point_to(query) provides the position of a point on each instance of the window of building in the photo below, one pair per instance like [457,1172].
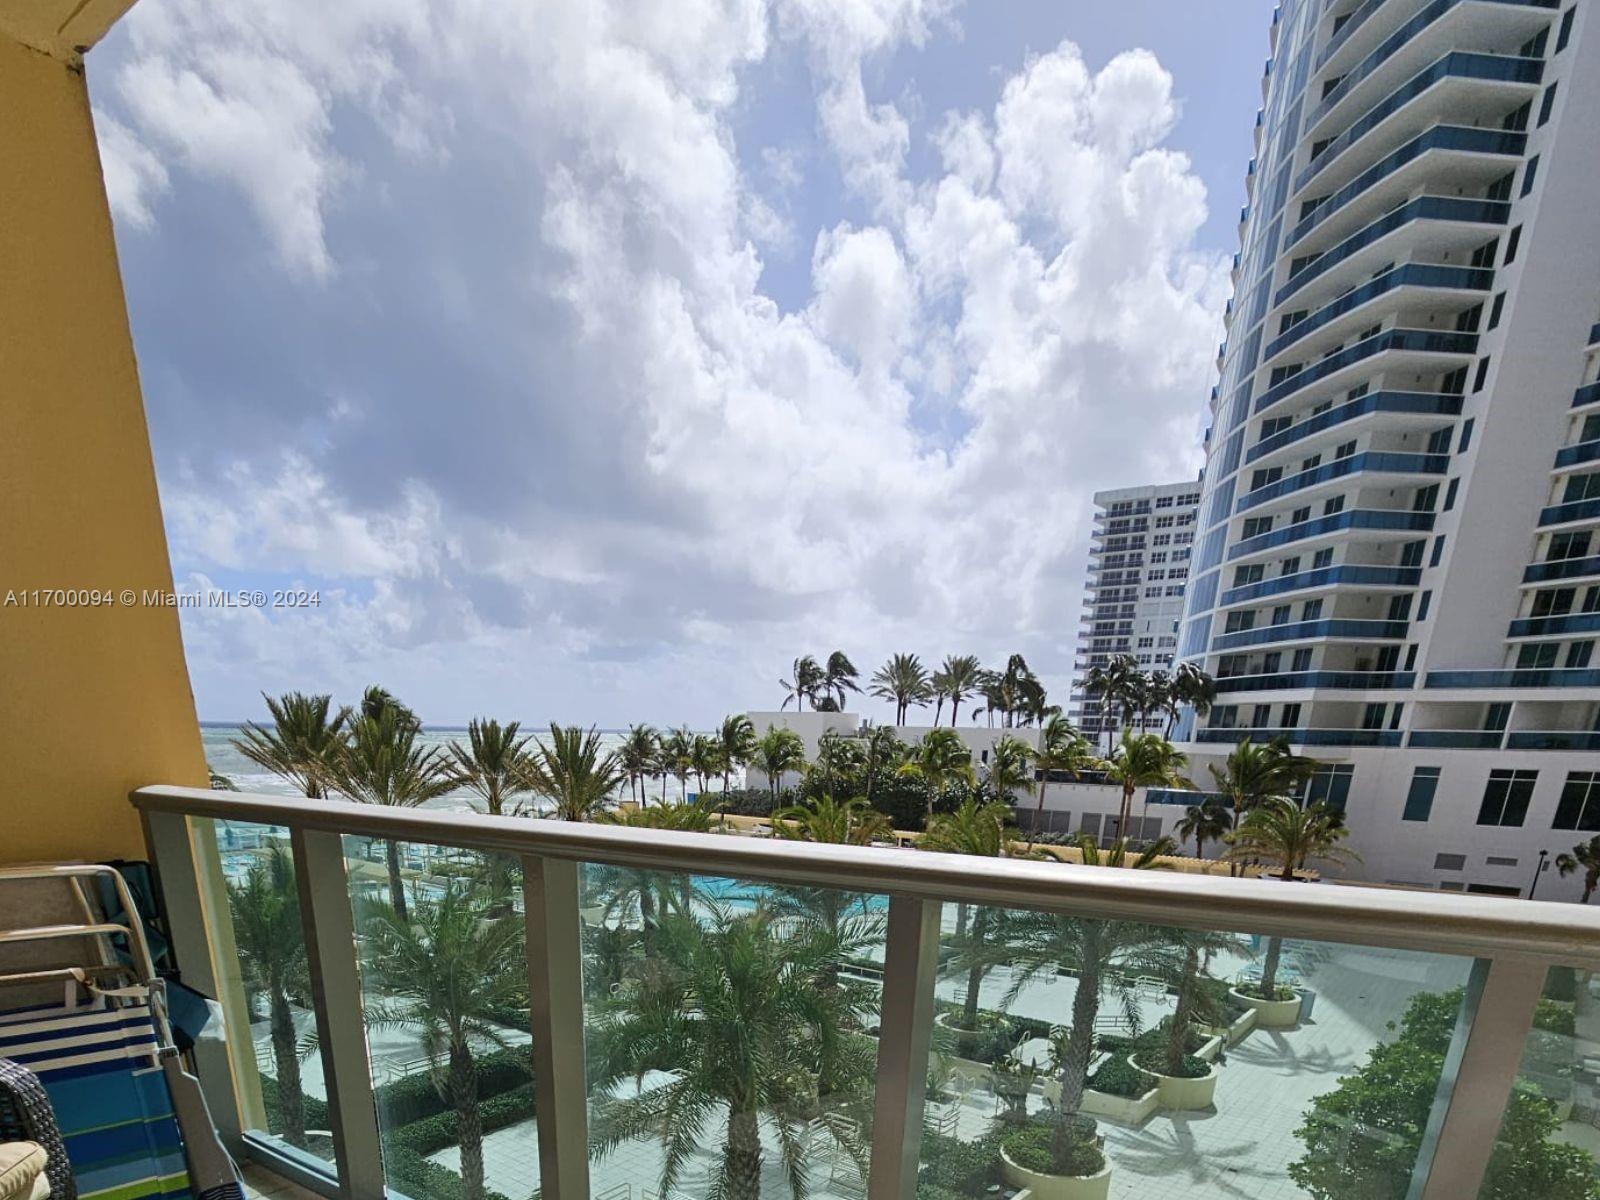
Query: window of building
[1311,610]
[1290,565]
[1280,614]
[1372,715]
[1529,173]
[1322,558]
[1175,591]
[1579,655]
[1565,33]
[1330,785]
[1506,797]
[1496,716]
[1419,799]
[1422,605]
[1300,515]
[1256,526]
[1450,494]
[1579,806]
[1466,436]
[1581,487]
[1536,656]
[1482,374]
[1334,504]
[1547,103]
[1438,551]
[1291,716]
[1512,243]
[1302,660]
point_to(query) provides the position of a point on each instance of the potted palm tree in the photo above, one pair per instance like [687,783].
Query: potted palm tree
[1185,1079]
[1280,831]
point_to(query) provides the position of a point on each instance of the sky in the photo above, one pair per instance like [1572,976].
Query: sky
[591,360]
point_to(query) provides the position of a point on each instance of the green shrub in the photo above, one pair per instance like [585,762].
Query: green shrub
[413,1175]
[435,1133]
[415,1097]
[952,1165]
[316,1110]
[1561,984]
[1118,1077]
[1553,1017]
[1255,992]
[1189,1067]
[1030,1147]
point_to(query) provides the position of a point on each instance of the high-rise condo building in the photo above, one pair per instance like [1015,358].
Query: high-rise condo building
[1138,566]
[1397,559]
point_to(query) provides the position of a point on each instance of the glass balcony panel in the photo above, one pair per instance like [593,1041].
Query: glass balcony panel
[1583,452]
[1371,460]
[731,1035]
[1416,341]
[1355,518]
[1544,626]
[1301,630]
[287,1099]
[1324,577]
[444,983]
[1232,735]
[1457,739]
[1562,568]
[1527,677]
[1338,680]
[1553,739]
[1066,1045]
[1422,275]
[1427,403]
[1589,393]
[1547,1139]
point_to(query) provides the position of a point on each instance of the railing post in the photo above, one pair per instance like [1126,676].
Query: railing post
[555,993]
[905,1029]
[1475,1084]
[330,937]
[189,876]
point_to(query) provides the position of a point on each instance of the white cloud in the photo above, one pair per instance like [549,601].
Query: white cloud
[905,462]
[134,174]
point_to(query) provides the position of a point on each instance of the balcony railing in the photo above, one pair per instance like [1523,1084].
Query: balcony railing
[1561,568]
[1424,403]
[1354,518]
[1419,275]
[1457,739]
[1589,393]
[1416,341]
[1581,452]
[626,1013]
[1526,677]
[1293,631]
[1385,461]
[1347,573]
[1558,623]
[1338,680]
[1302,737]
[1553,739]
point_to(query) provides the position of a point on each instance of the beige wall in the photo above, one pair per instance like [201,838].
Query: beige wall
[92,701]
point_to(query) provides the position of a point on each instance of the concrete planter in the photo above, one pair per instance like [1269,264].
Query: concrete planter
[1181,1094]
[1128,1110]
[1057,1187]
[1271,1014]
[1209,1049]
[1234,1033]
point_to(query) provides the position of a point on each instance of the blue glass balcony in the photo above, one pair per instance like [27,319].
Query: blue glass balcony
[1417,341]
[1594,334]
[1423,208]
[1303,737]
[1457,739]
[1372,460]
[1576,510]
[1562,568]
[1426,275]
[1390,46]
[1458,64]
[1264,635]
[1357,518]
[1524,678]
[1581,453]
[1565,623]
[1424,403]
[1589,393]
[1323,577]
[1553,739]
[1360,681]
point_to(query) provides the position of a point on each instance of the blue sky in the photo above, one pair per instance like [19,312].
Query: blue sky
[592,360]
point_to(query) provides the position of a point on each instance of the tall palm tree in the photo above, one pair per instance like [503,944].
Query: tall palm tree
[381,763]
[1585,857]
[493,764]
[677,755]
[304,735]
[839,676]
[939,758]
[903,680]
[448,973]
[1010,770]
[1205,822]
[840,823]
[1143,760]
[375,699]
[838,764]
[1105,956]
[572,772]
[881,747]
[962,675]
[1279,831]
[1114,685]
[705,758]
[736,745]
[1156,696]
[272,950]
[1062,750]
[780,752]
[1256,771]
[742,1018]
[1191,686]
[807,682]
[637,756]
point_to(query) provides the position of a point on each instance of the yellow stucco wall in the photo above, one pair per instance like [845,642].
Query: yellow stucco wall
[93,701]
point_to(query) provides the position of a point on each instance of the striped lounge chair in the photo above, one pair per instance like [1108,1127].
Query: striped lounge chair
[97,1062]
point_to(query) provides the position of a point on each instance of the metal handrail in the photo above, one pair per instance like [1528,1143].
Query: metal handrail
[1447,923]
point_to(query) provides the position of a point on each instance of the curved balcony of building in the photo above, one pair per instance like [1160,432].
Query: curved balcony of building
[1562,568]
[1420,351]
[1588,394]
[1524,677]
[1553,739]
[1309,631]
[1424,229]
[1578,454]
[1554,625]
[1372,523]
[1354,681]
[1408,284]
[1373,465]
[1367,578]
[1375,409]
[1456,739]
[1571,512]
[1232,735]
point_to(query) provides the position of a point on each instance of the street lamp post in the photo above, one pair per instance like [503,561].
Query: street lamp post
[1537,871]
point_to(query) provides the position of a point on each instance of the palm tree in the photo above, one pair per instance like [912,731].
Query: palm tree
[962,675]
[493,764]
[1585,857]
[1010,770]
[839,676]
[1113,685]
[272,950]
[839,761]
[904,681]
[375,699]
[741,1017]
[677,755]
[305,732]
[1191,686]
[881,748]
[1106,957]
[381,763]
[1255,771]
[448,973]
[1062,749]
[808,680]
[778,753]
[1143,760]
[693,817]
[572,773]
[705,758]
[637,757]
[1278,830]
[840,823]
[939,758]
[736,745]
[1205,822]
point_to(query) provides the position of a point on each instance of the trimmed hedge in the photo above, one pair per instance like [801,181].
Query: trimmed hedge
[952,1167]
[1118,1077]
[438,1132]
[415,1098]
[1029,1147]
[408,1172]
